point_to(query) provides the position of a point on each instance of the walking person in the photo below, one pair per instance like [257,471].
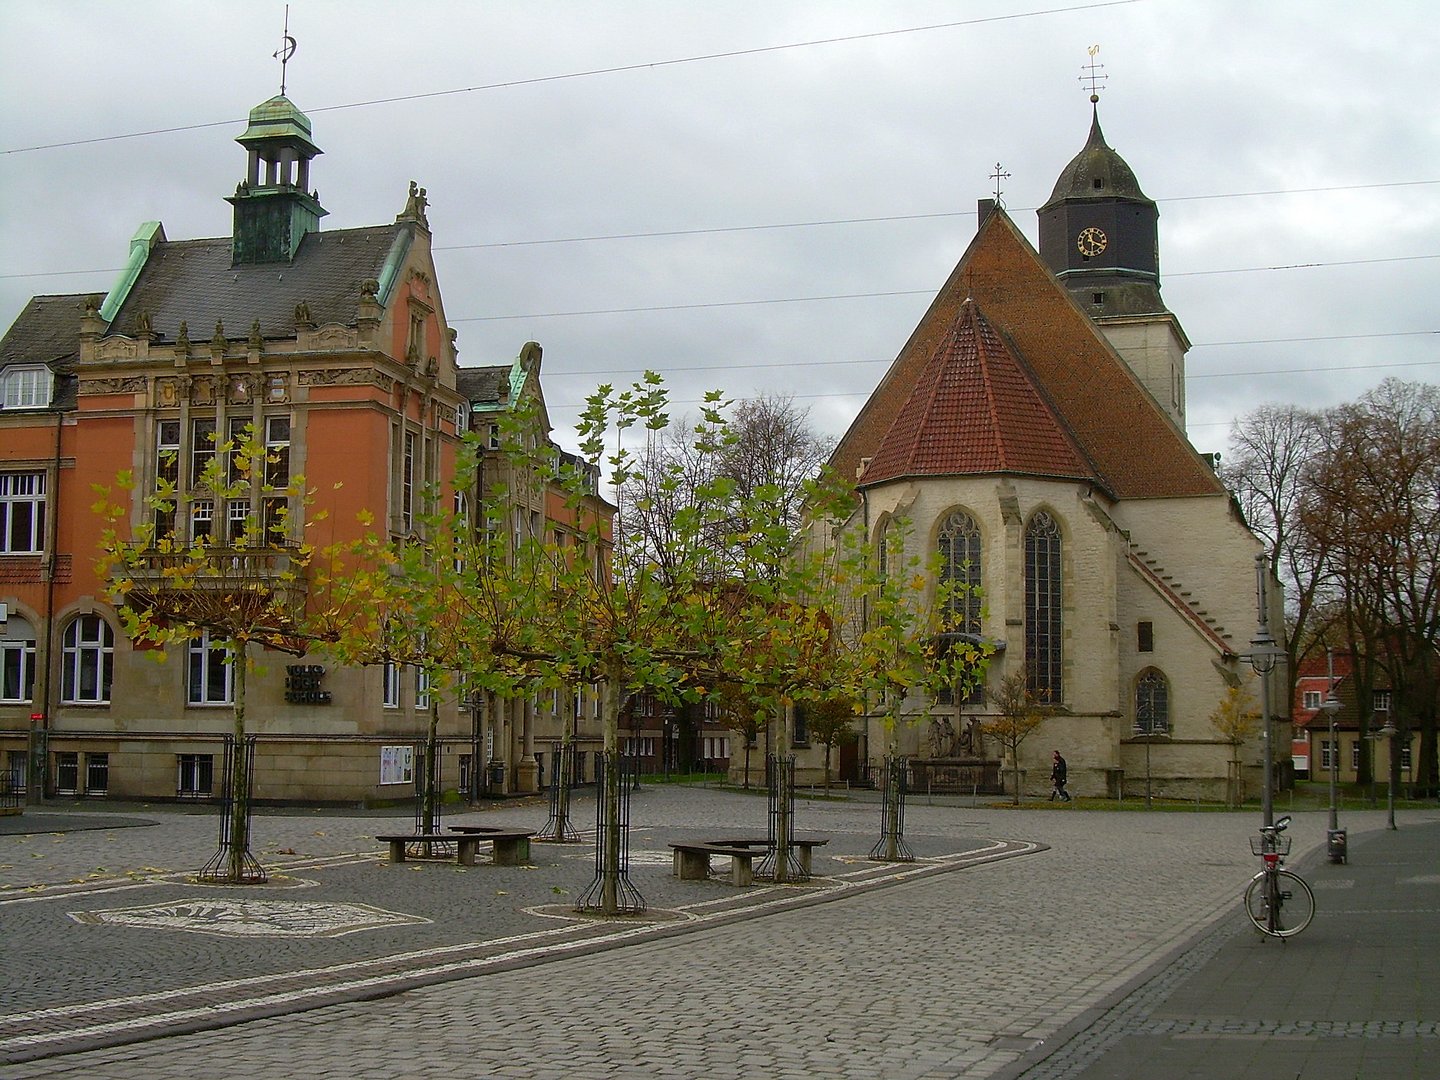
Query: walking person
[1058,772]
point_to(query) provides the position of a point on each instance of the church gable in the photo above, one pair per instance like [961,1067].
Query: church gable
[975,410]
[1132,446]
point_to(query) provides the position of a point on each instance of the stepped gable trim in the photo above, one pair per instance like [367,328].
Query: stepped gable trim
[1188,613]
[975,409]
[1128,439]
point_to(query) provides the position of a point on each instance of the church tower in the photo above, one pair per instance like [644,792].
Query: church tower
[273,207]
[1099,233]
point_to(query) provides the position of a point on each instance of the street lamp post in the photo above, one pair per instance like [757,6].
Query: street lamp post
[1388,733]
[1264,655]
[1335,837]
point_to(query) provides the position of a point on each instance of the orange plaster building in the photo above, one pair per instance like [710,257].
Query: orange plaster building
[334,349]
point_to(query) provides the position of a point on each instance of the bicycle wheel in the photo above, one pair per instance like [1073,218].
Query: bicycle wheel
[1280,905]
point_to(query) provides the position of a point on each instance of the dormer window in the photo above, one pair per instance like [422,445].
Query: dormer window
[1099,183]
[26,386]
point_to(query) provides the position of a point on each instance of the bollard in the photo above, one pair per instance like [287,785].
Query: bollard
[1335,845]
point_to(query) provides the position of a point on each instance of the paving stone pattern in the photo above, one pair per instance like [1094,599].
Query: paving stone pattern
[980,960]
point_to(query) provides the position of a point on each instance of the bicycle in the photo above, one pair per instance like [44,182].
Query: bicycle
[1278,901]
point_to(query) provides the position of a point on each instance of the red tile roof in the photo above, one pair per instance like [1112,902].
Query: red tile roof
[1116,426]
[975,408]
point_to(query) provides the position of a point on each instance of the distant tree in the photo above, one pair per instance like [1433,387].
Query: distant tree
[1375,507]
[1018,713]
[1237,721]
[832,724]
[742,716]
[1274,449]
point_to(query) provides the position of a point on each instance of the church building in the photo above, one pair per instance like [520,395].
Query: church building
[1032,433]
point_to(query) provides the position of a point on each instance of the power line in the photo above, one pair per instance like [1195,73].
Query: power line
[663,233]
[867,393]
[864,296]
[880,219]
[615,70]
[621,372]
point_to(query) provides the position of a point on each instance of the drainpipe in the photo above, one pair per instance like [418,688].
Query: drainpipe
[35,787]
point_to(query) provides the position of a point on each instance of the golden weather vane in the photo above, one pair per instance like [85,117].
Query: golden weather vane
[286,50]
[1092,74]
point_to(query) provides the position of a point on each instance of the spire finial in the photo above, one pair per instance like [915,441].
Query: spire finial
[1092,74]
[286,50]
[998,175]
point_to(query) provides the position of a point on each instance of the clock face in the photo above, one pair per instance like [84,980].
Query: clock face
[1091,242]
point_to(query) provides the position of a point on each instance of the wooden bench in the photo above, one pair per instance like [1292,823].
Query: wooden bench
[805,845]
[464,845]
[511,846]
[692,861]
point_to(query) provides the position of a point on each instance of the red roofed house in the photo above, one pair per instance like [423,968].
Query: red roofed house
[1032,432]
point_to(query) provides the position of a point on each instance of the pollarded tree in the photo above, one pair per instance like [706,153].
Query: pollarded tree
[645,619]
[227,586]
[907,645]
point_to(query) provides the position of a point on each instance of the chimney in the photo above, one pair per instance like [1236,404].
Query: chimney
[984,208]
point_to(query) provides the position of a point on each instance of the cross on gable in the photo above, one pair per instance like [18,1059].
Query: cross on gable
[998,175]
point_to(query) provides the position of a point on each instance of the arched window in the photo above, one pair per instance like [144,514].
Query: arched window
[1152,704]
[89,661]
[960,565]
[1043,608]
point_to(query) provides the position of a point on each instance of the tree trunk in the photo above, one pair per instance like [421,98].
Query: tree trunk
[429,791]
[610,852]
[892,798]
[784,789]
[239,767]
[1015,764]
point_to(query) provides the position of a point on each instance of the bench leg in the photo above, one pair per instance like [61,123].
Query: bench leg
[512,852]
[692,865]
[741,872]
[806,860]
[465,850]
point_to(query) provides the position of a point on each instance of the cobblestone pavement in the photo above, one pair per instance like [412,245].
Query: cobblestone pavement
[1016,931]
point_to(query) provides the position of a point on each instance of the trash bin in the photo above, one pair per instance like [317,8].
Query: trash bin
[1335,845]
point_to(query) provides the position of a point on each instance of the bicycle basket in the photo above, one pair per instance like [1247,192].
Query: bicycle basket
[1265,844]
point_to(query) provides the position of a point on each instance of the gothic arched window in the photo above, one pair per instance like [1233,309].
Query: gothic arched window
[1043,608]
[960,565]
[1152,704]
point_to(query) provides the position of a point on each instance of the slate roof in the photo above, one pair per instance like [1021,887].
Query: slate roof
[1096,161]
[489,385]
[976,409]
[46,330]
[1134,448]
[192,281]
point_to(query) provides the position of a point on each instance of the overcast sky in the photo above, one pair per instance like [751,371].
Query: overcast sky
[814,168]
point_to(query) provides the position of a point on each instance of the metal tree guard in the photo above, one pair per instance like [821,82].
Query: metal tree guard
[891,846]
[628,898]
[428,822]
[557,828]
[217,870]
[780,777]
